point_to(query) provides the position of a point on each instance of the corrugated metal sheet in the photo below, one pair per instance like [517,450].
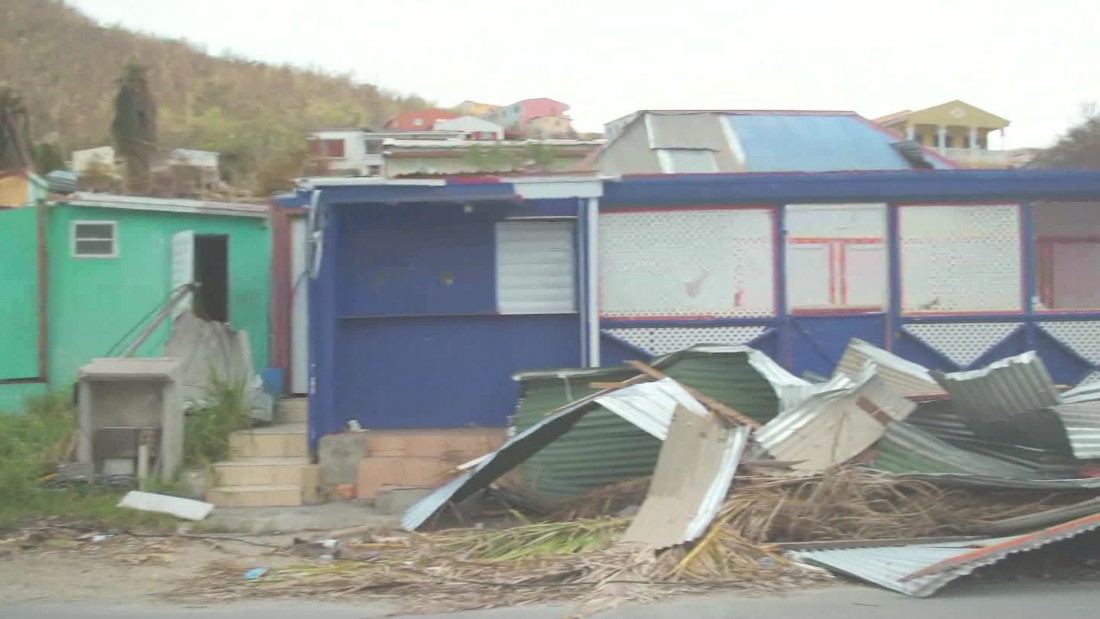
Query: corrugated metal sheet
[1082,423]
[987,482]
[603,448]
[686,131]
[836,425]
[779,142]
[1008,402]
[904,376]
[693,475]
[652,404]
[649,406]
[940,419]
[907,449]
[1082,393]
[535,267]
[920,570]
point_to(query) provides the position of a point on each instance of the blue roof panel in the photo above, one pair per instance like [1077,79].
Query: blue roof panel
[816,143]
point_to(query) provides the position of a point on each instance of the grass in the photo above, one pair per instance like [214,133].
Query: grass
[210,421]
[34,443]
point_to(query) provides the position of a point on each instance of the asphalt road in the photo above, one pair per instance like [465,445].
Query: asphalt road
[970,600]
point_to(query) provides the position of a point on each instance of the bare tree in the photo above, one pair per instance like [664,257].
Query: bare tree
[15,146]
[1079,147]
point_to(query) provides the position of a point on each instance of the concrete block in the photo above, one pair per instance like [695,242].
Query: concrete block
[453,445]
[339,456]
[394,501]
[292,410]
[282,441]
[261,472]
[256,496]
[376,472]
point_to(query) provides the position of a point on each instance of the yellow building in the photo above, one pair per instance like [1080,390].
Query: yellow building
[956,130]
[475,108]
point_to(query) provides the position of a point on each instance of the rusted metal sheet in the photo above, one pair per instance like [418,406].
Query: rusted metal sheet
[693,474]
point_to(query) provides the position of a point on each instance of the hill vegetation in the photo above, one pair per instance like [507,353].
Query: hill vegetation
[67,67]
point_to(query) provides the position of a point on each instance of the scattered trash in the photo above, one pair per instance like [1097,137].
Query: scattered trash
[99,538]
[187,509]
[255,573]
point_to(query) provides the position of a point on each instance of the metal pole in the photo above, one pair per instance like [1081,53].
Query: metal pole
[177,296]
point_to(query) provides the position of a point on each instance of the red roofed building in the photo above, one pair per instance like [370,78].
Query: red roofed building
[418,120]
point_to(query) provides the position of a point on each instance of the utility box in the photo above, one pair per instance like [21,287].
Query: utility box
[130,410]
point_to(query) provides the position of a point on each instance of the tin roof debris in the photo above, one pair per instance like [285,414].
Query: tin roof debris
[693,475]
[866,472]
[920,570]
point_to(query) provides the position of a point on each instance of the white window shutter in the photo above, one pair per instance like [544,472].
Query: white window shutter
[536,267]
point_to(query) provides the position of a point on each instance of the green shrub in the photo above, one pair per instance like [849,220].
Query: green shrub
[224,410]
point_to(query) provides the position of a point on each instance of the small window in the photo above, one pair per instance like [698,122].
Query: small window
[374,170]
[95,239]
[419,122]
[374,147]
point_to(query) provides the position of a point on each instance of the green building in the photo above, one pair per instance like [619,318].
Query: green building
[83,277]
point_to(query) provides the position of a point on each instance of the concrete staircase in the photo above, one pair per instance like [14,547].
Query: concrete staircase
[270,466]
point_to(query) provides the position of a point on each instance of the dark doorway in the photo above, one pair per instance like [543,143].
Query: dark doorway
[212,276]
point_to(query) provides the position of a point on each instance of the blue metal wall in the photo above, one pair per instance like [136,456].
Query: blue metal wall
[404,325]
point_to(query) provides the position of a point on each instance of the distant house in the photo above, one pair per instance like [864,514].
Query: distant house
[704,141]
[194,172]
[517,117]
[21,188]
[103,157]
[474,108]
[957,130]
[550,127]
[418,120]
[456,146]
[106,264]
[473,127]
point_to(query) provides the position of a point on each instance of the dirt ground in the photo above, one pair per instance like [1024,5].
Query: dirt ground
[60,567]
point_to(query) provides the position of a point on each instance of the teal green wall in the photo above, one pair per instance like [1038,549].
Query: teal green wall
[18,305]
[94,302]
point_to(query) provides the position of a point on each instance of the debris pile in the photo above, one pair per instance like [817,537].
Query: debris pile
[714,467]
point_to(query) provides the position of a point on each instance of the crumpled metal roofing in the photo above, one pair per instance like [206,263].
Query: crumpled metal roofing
[907,449]
[906,377]
[654,412]
[1009,402]
[1082,423]
[1084,392]
[836,424]
[920,570]
[690,482]
[648,405]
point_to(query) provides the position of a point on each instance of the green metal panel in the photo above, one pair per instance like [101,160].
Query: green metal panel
[604,449]
[94,302]
[19,293]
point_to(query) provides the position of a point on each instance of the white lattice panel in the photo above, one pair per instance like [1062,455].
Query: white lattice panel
[1091,378]
[836,221]
[963,343]
[960,258]
[660,341]
[1082,338]
[687,263]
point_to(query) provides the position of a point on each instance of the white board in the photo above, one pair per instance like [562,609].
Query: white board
[183,267]
[299,317]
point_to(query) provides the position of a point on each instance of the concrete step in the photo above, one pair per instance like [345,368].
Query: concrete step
[286,440]
[292,410]
[282,495]
[262,472]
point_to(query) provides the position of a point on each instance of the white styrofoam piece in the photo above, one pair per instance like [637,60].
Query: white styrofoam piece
[187,509]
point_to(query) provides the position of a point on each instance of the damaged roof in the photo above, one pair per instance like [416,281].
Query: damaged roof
[920,570]
[1009,402]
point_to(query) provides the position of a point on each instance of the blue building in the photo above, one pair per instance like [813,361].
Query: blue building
[426,296]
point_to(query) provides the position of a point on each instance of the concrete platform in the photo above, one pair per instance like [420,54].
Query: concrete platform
[324,517]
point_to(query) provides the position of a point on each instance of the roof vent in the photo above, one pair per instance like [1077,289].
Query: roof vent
[913,154]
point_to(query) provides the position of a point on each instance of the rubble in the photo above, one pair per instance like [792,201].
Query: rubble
[886,472]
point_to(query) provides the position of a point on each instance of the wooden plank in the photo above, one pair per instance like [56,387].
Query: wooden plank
[606,385]
[728,412]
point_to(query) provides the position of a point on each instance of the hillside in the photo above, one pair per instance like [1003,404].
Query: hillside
[66,67]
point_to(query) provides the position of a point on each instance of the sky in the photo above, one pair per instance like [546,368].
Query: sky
[1032,62]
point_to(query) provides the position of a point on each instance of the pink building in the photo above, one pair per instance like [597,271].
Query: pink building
[516,117]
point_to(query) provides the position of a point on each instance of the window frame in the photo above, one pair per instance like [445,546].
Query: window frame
[73,239]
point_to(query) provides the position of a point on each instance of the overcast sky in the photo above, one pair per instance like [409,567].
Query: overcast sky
[1034,62]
